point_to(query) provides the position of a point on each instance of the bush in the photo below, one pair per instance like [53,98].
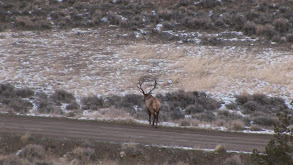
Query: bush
[11,160]
[176,114]
[249,28]
[32,152]
[251,106]
[226,115]
[264,120]
[185,123]
[128,101]
[92,102]
[7,90]
[234,160]
[46,105]
[62,96]
[220,149]
[281,24]
[19,105]
[237,125]
[82,155]
[191,109]
[262,99]
[289,38]
[73,106]
[266,31]
[279,150]
[24,92]
[232,106]
[198,22]
[207,116]
[242,99]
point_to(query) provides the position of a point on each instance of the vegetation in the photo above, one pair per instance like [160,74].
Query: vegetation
[59,151]
[280,149]
[176,107]
[268,20]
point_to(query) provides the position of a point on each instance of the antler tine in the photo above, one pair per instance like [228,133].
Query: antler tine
[155,85]
[139,87]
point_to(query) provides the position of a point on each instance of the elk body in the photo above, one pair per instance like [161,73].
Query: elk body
[152,104]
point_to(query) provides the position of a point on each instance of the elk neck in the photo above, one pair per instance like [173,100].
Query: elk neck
[147,96]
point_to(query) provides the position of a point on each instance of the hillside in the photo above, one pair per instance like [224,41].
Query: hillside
[264,20]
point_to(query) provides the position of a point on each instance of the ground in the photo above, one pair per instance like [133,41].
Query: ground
[58,150]
[102,48]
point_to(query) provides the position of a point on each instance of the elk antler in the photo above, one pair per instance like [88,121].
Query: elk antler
[155,85]
[139,87]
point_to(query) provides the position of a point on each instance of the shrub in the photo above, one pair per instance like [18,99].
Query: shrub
[198,22]
[7,90]
[19,105]
[23,22]
[279,150]
[266,31]
[24,138]
[11,160]
[185,123]
[251,106]
[281,24]
[237,125]
[197,108]
[165,14]
[62,96]
[92,102]
[264,120]
[255,128]
[289,38]
[220,149]
[46,105]
[231,106]
[249,28]
[262,99]
[176,114]
[242,99]
[226,115]
[128,101]
[82,155]
[207,116]
[24,92]
[73,106]
[234,160]
[32,152]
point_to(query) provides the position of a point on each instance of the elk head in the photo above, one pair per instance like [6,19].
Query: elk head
[149,94]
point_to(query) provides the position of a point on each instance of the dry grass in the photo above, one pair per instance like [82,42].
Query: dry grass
[219,71]
[87,66]
[147,52]
[220,148]
[24,138]
[115,113]
[236,125]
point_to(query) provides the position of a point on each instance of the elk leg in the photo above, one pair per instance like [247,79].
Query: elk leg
[154,119]
[150,117]
[157,116]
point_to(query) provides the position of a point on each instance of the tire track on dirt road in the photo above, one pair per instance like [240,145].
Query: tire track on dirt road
[122,133]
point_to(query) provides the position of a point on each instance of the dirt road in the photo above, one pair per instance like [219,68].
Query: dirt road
[119,133]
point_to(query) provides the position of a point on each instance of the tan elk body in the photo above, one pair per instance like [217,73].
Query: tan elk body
[152,104]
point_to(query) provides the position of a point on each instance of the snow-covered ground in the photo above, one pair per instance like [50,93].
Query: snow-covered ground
[105,62]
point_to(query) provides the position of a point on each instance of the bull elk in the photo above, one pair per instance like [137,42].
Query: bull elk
[152,104]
